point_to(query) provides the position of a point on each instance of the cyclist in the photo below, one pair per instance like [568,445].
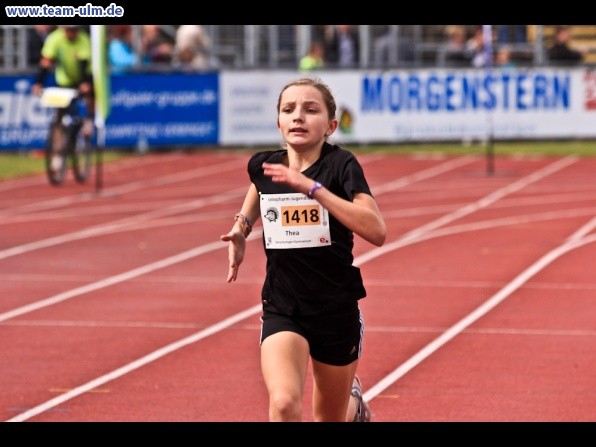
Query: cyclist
[67,49]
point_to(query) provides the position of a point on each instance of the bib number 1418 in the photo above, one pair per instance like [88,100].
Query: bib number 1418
[292,216]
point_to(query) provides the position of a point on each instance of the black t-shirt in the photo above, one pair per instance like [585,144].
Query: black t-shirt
[306,281]
[563,54]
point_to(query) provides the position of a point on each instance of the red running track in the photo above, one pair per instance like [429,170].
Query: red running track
[481,306]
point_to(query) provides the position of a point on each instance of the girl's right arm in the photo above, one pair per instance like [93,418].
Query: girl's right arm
[243,222]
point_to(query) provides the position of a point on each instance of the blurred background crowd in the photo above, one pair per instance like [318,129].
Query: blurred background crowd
[311,47]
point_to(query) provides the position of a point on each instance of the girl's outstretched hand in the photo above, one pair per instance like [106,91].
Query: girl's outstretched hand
[236,249]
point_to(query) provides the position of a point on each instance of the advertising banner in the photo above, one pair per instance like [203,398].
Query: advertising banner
[422,105]
[234,108]
[145,109]
[163,109]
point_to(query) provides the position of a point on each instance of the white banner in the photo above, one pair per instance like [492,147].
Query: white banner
[422,105]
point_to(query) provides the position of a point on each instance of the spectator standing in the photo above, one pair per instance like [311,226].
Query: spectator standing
[456,37]
[315,58]
[503,57]
[36,36]
[121,53]
[560,52]
[390,50]
[342,46]
[475,49]
[157,47]
[192,47]
[454,49]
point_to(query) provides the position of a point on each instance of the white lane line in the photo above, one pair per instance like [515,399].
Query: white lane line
[110,167]
[423,175]
[454,229]
[515,220]
[148,268]
[128,187]
[224,324]
[583,231]
[509,203]
[483,309]
[467,209]
[120,224]
[124,207]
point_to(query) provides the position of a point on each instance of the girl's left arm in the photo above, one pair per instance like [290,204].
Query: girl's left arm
[362,215]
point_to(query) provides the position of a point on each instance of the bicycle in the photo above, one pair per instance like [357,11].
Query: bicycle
[65,141]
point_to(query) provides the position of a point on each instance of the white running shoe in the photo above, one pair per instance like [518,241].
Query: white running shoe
[363,411]
[56,162]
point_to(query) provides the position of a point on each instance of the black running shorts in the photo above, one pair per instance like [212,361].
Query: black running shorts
[334,338]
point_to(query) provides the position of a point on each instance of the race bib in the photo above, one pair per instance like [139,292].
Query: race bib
[294,221]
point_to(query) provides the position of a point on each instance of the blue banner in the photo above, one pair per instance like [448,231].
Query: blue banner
[146,110]
[158,109]
[23,121]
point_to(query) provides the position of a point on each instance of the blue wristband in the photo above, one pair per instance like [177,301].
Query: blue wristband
[316,186]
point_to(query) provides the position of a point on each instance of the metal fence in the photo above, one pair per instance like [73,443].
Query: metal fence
[247,47]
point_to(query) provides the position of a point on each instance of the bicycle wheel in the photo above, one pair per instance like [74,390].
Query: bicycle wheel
[55,154]
[81,154]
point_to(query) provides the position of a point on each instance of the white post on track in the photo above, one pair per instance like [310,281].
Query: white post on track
[487,35]
[101,86]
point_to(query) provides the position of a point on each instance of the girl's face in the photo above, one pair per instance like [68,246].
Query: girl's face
[302,117]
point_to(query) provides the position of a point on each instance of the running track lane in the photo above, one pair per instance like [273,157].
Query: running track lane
[417,235]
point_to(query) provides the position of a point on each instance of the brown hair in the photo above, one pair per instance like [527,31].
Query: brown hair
[320,86]
[120,31]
